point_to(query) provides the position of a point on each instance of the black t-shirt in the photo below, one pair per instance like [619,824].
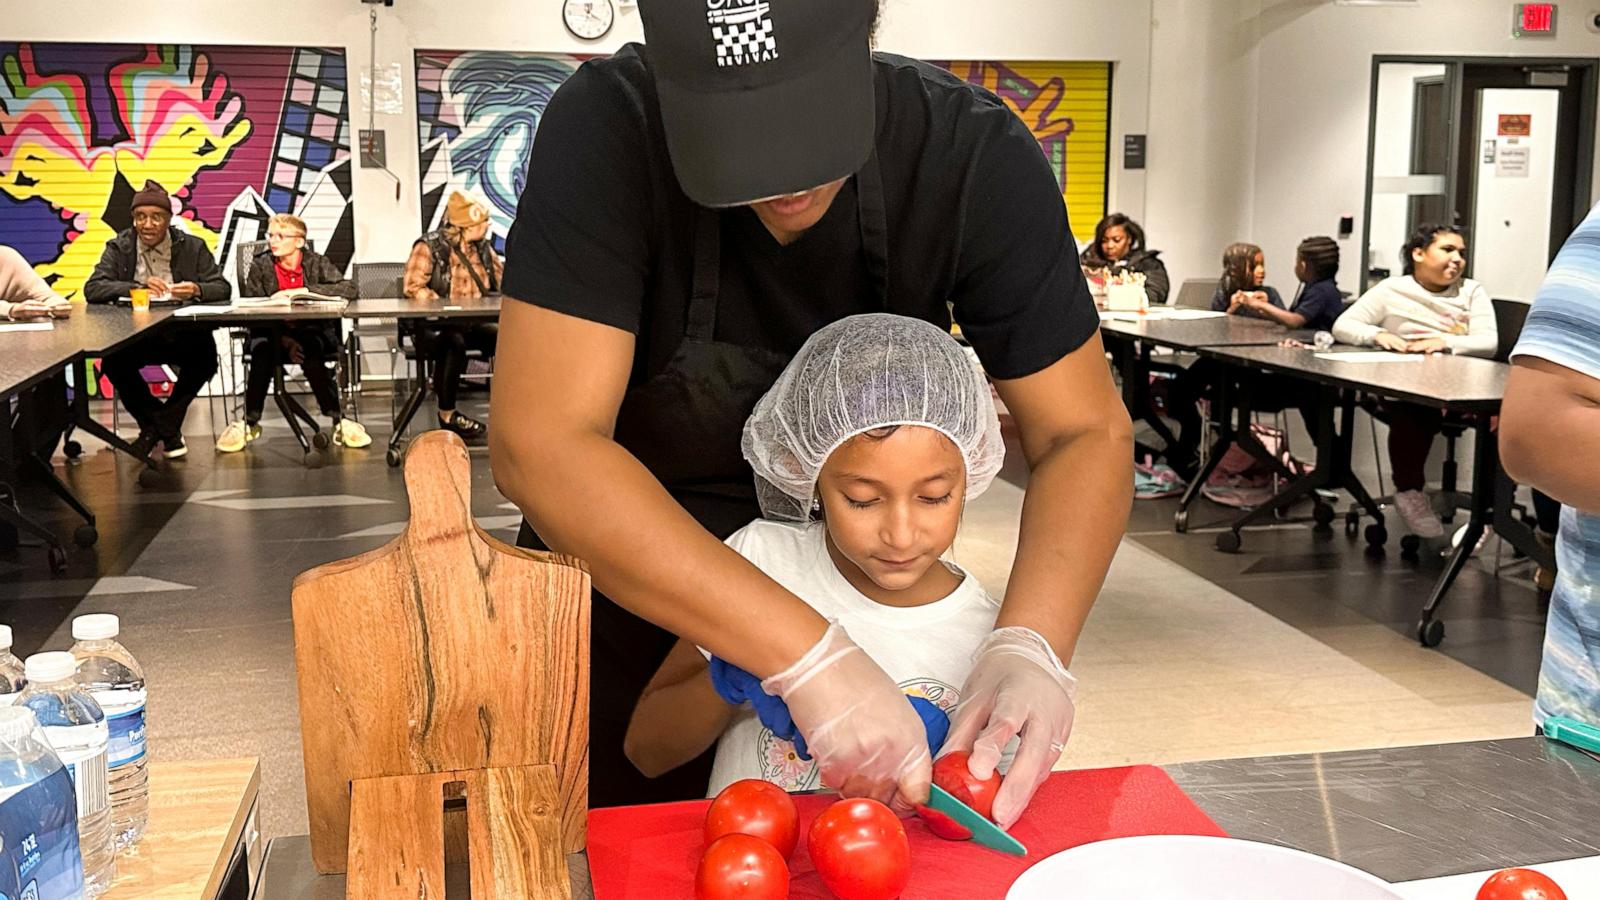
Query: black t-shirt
[975,218]
[975,221]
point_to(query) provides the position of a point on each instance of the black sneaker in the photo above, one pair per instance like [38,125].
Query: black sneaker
[469,428]
[174,447]
[144,445]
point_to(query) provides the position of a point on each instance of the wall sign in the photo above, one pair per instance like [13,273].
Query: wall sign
[1512,160]
[1533,20]
[1516,125]
[1133,151]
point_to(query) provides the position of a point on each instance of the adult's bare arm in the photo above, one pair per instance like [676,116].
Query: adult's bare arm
[559,381]
[1078,442]
[1550,431]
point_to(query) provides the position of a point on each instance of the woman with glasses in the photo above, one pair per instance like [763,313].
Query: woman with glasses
[287,265]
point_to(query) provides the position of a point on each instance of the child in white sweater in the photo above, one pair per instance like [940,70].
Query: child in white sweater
[1429,309]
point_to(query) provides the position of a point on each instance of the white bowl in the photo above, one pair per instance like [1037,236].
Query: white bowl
[1178,867]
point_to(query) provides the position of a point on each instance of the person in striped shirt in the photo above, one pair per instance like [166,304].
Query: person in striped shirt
[1550,438]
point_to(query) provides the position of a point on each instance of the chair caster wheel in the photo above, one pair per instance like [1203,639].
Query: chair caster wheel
[1322,514]
[393,457]
[1409,545]
[1377,535]
[1430,632]
[57,557]
[86,536]
[1229,541]
[1180,522]
[320,440]
[72,449]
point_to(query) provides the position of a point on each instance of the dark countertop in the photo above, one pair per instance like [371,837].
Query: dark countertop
[27,357]
[1190,334]
[1402,814]
[1461,383]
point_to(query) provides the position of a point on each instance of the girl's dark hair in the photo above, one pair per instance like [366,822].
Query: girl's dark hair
[1118,220]
[1321,255]
[1421,239]
[1238,267]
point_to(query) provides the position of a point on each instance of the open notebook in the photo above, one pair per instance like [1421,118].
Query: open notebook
[290,298]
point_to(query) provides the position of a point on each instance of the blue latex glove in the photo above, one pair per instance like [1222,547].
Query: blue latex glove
[736,686]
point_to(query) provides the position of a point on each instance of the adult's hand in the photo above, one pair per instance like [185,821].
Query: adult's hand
[1428,345]
[158,287]
[184,290]
[1018,688]
[31,309]
[1392,342]
[868,741]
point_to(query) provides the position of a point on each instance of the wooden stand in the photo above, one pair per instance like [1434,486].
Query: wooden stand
[445,656]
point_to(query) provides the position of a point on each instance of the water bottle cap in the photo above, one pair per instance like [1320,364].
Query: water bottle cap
[96,627]
[16,722]
[45,668]
[5,637]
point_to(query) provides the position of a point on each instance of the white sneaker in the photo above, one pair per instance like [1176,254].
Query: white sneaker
[1455,540]
[236,436]
[1418,513]
[349,433]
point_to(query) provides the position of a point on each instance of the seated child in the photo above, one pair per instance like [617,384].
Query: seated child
[865,451]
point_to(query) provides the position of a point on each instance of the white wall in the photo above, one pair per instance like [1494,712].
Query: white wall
[1315,63]
[386,225]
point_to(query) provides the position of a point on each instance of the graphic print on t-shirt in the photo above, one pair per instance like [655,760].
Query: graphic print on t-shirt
[782,766]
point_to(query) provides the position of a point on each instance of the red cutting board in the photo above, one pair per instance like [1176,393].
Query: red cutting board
[652,851]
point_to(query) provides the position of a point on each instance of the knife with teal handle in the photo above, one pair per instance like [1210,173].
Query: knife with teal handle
[985,832]
[1573,733]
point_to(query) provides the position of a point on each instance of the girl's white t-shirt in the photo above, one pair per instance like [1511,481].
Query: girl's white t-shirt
[928,650]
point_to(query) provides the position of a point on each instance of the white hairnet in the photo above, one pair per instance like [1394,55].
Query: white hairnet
[861,373]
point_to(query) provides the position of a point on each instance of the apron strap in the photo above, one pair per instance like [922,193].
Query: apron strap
[873,215]
[702,322]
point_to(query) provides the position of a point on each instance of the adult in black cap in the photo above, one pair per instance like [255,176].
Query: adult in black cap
[695,208]
[168,263]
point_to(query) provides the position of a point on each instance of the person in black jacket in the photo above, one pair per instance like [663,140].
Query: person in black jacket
[163,260]
[1119,247]
[286,265]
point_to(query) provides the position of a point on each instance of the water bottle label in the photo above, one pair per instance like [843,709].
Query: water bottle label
[89,778]
[127,738]
[40,856]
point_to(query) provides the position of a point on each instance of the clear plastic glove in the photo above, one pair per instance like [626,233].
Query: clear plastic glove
[867,739]
[1018,686]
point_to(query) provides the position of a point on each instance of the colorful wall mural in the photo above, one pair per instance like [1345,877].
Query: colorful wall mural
[476,115]
[235,134]
[477,112]
[1067,106]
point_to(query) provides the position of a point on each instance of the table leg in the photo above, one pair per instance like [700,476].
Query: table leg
[1481,512]
[402,420]
[84,422]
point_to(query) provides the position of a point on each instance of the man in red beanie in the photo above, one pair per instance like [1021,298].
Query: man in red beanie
[169,263]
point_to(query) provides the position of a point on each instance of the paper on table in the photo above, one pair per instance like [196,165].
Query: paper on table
[1372,356]
[203,310]
[43,325]
[1159,312]
[1577,877]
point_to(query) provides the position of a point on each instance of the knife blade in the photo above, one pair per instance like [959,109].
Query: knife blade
[985,832]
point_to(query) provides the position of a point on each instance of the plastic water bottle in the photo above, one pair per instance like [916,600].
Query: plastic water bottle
[12,679]
[38,815]
[111,675]
[76,728]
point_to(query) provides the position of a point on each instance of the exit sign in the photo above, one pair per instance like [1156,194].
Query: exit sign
[1534,20]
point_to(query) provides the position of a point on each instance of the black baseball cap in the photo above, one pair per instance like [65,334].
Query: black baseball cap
[761,98]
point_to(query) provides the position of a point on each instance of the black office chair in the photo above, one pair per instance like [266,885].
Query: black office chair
[380,280]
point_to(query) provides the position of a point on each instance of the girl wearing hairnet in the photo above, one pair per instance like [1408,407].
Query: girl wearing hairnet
[865,451]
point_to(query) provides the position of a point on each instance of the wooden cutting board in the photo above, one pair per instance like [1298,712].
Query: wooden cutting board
[442,651]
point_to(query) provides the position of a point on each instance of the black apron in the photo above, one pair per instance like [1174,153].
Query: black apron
[705,393]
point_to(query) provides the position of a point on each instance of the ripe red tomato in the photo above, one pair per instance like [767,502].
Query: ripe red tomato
[1520,884]
[860,849]
[952,774]
[741,867]
[758,808]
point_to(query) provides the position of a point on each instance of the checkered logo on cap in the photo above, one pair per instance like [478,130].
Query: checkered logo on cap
[743,31]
